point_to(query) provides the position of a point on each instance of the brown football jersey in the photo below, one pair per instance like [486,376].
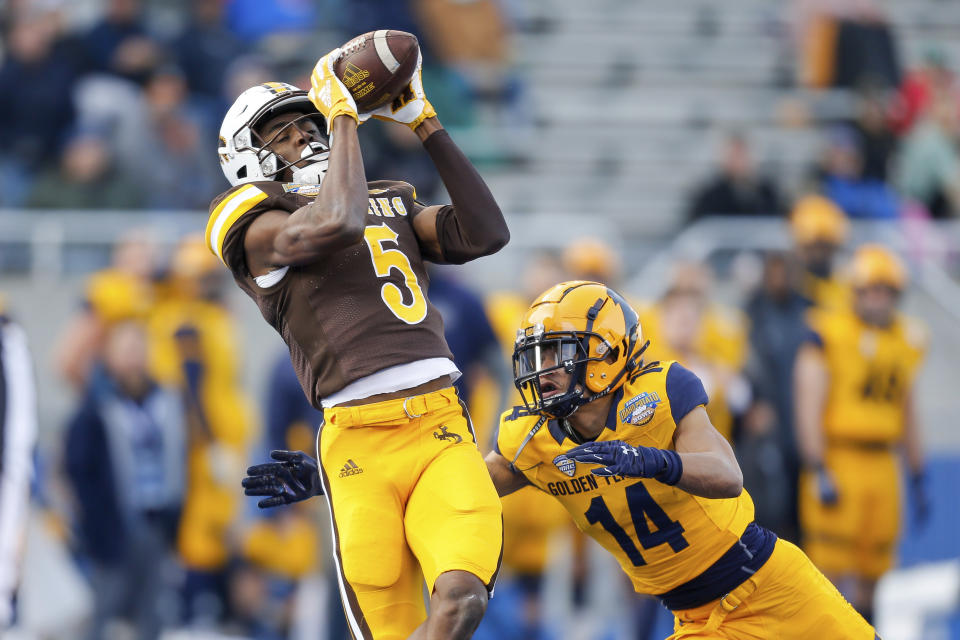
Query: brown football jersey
[351,313]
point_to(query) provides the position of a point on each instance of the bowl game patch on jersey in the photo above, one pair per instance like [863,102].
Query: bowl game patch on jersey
[639,410]
[308,190]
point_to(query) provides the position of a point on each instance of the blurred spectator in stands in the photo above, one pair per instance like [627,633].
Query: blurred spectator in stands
[182,177]
[123,291]
[88,178]
[874,135]
[125,461]
[174,171]
[38,74]
[933,76]
[767,447]
[195,349]
[244,72]
[252,20]
[206,48]
[841,178]
[18,437]
[473,40]
[737,188]
[368,15]
[706,337]
[592,259]
[819,230]
[120,44]
[843,43]
[929,165]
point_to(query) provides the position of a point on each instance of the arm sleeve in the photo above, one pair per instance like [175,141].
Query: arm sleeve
[473,225]
[685,392]
[19,423]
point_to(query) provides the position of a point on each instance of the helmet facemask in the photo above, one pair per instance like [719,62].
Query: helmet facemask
[584,328]
[272,164]
[538,353]
[247,156]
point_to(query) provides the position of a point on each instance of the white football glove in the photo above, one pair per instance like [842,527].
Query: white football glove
[328,93]
[411,107]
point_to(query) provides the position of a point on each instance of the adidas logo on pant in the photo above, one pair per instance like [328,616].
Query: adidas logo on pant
[350,469]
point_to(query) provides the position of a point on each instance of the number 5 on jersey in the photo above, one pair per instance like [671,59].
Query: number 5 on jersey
[384,259]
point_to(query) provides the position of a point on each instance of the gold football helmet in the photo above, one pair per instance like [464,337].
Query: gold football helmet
[875,264]
[585,328]
[817,219]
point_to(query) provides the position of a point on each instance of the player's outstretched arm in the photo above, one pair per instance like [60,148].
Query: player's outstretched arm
[701,463]
[335,219]
[471,226]
[504,475]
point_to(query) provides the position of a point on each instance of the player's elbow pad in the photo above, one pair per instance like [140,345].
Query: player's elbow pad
[485,233]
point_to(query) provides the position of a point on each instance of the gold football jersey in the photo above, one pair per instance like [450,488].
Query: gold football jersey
[662,536]
[871,372]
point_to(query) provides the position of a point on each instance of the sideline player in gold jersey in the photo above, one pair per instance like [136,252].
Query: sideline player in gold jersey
[819,229]
[337,266]
[854,407]
[628,450]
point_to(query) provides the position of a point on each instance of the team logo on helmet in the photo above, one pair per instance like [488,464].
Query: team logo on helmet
[566,465]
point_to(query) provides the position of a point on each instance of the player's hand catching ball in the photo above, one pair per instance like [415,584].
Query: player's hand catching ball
[294,477]
[411,107]
[328,93]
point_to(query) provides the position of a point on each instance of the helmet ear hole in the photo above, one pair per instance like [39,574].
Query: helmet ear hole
[242,172]
[613,355]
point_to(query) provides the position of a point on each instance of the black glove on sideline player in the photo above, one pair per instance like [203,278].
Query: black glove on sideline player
[294,477]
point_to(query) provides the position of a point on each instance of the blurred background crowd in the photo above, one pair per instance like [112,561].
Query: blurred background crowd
[717,162]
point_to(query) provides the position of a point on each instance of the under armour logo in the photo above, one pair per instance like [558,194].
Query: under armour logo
[627,449]
[443,434]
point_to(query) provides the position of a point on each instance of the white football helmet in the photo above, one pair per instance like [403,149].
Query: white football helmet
[245,157]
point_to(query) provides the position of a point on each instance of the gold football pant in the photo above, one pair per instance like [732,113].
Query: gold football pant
[787,598]
[858,534]
[410,498]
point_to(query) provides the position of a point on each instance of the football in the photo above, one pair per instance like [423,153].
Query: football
[376,66]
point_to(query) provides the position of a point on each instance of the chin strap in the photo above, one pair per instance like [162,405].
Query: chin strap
[527,439]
